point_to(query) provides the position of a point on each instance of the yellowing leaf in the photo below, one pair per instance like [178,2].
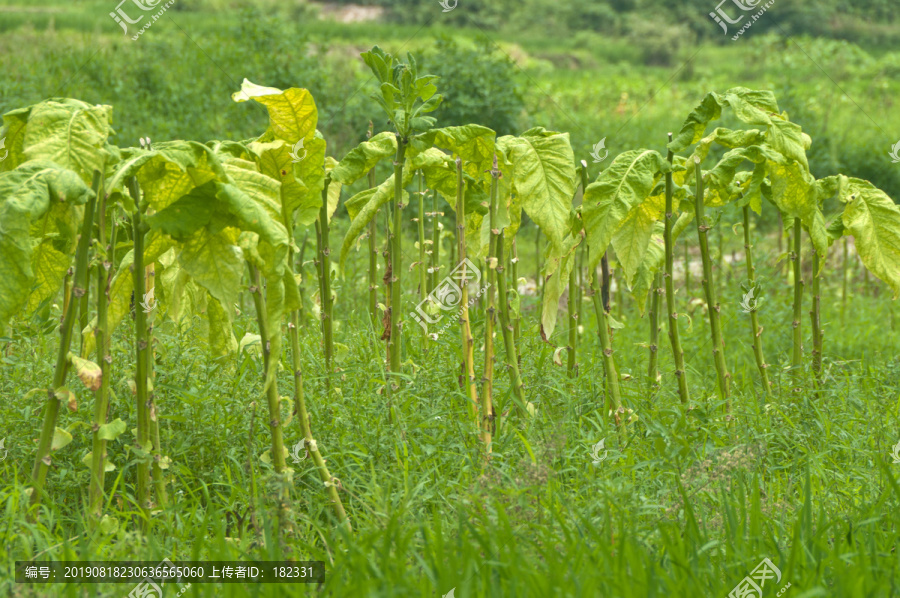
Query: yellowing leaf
[87,371]
[112,430]
[60,439]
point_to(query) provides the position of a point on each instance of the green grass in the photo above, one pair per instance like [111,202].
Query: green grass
[686,507]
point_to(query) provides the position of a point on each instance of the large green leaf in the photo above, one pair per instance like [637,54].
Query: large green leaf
[558,268]
[655,257]
[311,172]
[292,112]
[874,221]
[624,185]
[363,158]
[631,239]
[544,179]
[794,193]
[27,194]
[12,133]
[215,263]
[169,172]
[70,133]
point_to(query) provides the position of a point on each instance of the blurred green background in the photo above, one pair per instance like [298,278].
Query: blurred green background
[626,71]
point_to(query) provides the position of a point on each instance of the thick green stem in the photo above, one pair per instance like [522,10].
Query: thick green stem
[386,279]
[609,364]
[468,342]
[653,365]
[331,483]
[435,261]
[709,288]
[493,264]
[325,295]
[514,272]
[395,341]
[816,318]
[373,262]
[687,268]
[159,480]
[299,270]
[142,349]
[844,264]
[270,384]
[423,274]
[797,354]
[755,329]
[104,358]
[669,276]
[512,358]
[573,323]
[79,289]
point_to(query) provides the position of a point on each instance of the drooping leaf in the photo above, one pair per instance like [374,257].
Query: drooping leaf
[60,439]
[26,195]
[625,184]
[544,179]
[363,158]
[655,258]
[874,221]
[69,133]
[292,112]
[215,263]
[87,371]
[108,465]
[111,430]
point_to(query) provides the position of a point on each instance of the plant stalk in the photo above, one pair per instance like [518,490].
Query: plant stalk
[468,342]
[512,358]
[104,359]
[653,365]
[609,364]
[325,295]
[709,288]
[272,398]
[755,329]
[423,274]
[373,261]
[79,289]
[669,276]
[797,354]
[435,260]
[142,358]
[816,318]
[395,341]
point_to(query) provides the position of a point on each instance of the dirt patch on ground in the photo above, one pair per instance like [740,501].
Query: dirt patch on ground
[351,13]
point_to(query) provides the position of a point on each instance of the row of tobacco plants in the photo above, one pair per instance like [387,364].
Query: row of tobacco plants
[193,225]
